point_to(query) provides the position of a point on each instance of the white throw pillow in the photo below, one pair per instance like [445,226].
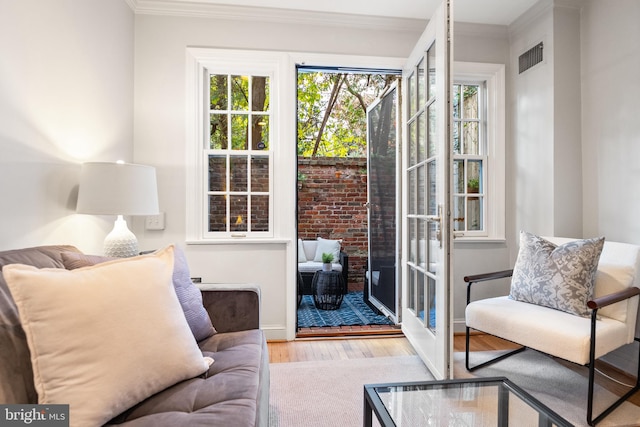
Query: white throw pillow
[328,246]
[301,256]
[104,338]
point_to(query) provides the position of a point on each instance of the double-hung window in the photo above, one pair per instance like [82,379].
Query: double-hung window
[230,144]
[237,155]
[478,152]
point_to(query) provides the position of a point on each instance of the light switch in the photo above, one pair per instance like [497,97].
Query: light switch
[154,222]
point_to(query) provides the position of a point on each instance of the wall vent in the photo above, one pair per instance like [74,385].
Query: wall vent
[530,58]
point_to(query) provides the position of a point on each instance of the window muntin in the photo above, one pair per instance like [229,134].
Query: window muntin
[238,156]
[469,158]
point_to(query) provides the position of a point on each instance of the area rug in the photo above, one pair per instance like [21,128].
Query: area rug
[331,392]
[353,311]
[558,387]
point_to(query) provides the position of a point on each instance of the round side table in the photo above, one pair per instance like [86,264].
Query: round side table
[328,289]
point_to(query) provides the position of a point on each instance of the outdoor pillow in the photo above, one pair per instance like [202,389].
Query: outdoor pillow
[327,246]
[301,255]
[106,337]
[560,277]
[188,293]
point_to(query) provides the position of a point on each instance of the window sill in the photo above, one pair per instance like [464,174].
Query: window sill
[479,240]
[240,240]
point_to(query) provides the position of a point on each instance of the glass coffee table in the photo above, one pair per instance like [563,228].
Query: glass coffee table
[477,402]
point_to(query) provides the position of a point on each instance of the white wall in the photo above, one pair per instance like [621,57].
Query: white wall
[610,126]
[66,96]
[160,52]
[489,44]
[610,60]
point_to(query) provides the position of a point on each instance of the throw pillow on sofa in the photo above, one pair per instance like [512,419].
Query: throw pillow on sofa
[188,293]
[327,246]
[560,277]
[106,337]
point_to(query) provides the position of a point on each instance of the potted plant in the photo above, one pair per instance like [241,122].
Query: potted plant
[326,261]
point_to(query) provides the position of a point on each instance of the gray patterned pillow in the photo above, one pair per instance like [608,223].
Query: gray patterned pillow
[560,277]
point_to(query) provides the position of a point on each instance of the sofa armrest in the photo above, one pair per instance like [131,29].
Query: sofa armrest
[232,307]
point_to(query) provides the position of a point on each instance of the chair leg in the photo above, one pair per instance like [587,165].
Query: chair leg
[489,362]
[592,373]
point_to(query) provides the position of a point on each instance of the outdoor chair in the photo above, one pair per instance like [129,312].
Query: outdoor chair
[551,310]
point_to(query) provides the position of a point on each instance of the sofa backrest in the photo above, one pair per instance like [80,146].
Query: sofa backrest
[16,375]
[618,269]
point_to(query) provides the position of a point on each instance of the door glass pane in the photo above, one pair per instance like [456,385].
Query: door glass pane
[432,143]
[411,302]
[420,190]
[260,213]
[421,137]
[217,173]
[432,204]
[217,213]
[413,142]
[412,98]
[422,255]
[413,241]
[431,305]
[431,62]
[238,216]
[238,172]
[434,246]
[420,294]
[421,84]
[413,180]
[240,93]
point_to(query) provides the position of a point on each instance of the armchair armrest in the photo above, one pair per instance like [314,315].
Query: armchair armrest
[613,298]
[484,278]
[232,307]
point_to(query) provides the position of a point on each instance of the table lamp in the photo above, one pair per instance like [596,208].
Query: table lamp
[118,189]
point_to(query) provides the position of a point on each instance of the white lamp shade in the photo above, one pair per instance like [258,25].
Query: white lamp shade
[117,189]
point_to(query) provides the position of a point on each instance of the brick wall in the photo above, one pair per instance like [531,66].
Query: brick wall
[331,199]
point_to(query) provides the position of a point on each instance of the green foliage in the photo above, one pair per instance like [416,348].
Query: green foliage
[327,258]
[343,133]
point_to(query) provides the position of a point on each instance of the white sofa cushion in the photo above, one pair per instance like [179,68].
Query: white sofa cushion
[544,329]
[327,246]
[312,266]
[302,257]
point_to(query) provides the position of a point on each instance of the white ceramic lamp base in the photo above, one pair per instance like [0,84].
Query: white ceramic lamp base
[121,242]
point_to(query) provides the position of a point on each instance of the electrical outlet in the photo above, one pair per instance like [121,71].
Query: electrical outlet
[154,222]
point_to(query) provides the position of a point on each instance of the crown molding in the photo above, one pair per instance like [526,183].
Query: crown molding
[243,13]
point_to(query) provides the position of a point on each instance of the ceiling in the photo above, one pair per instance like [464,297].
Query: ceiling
[500,12]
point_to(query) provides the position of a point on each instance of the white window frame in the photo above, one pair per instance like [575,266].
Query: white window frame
[492,76]
[200,63]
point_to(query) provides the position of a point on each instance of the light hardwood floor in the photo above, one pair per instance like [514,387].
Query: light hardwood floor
[375,346]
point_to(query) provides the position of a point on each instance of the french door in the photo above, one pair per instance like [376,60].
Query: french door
[426,169]
[383,191]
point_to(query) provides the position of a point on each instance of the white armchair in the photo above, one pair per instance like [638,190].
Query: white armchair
[609,324]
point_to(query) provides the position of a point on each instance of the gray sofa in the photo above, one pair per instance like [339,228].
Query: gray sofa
[234,392]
